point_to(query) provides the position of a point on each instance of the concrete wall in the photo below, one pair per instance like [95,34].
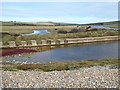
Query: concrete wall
[60,41]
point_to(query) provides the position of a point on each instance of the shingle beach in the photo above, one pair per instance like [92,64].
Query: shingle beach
[94,77]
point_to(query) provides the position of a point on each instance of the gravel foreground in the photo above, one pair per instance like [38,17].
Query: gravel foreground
[94,77]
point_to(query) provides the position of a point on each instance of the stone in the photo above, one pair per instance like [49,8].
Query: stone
[43,42]
[12,44]
[65,41]
[57,42]
[49,41]
[1,43]
[61,41]
[93,77]
[23,43]
[33,42]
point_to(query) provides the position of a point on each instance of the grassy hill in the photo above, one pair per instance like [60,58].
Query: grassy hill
[11,30]
[49,23]
[14,23]
[114,24]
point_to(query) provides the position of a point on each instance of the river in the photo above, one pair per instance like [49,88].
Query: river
[91,51]
[36,32]
[104,27]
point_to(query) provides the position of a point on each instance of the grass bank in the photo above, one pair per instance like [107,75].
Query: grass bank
[53,35]
[29,29]
[11,33]
[58,66]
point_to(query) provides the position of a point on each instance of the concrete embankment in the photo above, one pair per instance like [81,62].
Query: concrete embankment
[92,39]
[50,42]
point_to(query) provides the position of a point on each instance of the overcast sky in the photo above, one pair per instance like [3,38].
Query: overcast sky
[70,12]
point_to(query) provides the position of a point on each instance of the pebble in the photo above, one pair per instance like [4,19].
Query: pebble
[94,77]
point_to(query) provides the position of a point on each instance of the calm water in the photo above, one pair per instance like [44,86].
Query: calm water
[103,27]
[41,32]
[35,32]
[74,53]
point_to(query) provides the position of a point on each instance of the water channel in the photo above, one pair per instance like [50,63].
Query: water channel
[91,51]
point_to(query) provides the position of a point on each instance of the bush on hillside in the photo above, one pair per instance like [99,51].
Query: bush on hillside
[62,31]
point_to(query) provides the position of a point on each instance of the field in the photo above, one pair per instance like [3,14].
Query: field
[113,24]
[11,33]
[28,29]
[22,27]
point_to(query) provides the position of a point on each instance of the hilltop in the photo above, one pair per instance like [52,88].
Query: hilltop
[49,23]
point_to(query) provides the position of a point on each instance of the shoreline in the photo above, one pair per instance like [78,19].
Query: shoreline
[74,41]
[58,66]
[47,49]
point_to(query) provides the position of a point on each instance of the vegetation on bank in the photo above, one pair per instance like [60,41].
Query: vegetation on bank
[58,66]
[11,30]
[54,35]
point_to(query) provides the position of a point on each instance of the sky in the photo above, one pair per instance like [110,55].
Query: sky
[68,12]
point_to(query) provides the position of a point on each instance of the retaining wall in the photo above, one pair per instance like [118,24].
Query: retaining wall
[51,42]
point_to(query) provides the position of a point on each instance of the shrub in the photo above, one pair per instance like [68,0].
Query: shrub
[88,27]
[62,31]
[92,29]
[75,30]
[56,29]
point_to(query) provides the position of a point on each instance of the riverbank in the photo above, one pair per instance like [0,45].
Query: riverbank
[57,66]
[29,51]
[93,77]
[54,35]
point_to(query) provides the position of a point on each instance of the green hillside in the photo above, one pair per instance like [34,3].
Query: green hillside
[114,24]
[14,23]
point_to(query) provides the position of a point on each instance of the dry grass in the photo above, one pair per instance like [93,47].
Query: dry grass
[28,29]
[52,35]
[18,39]
[58,66]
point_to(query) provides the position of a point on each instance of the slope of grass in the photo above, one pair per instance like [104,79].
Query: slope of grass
[54,35]
[58,66]
[28,29]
